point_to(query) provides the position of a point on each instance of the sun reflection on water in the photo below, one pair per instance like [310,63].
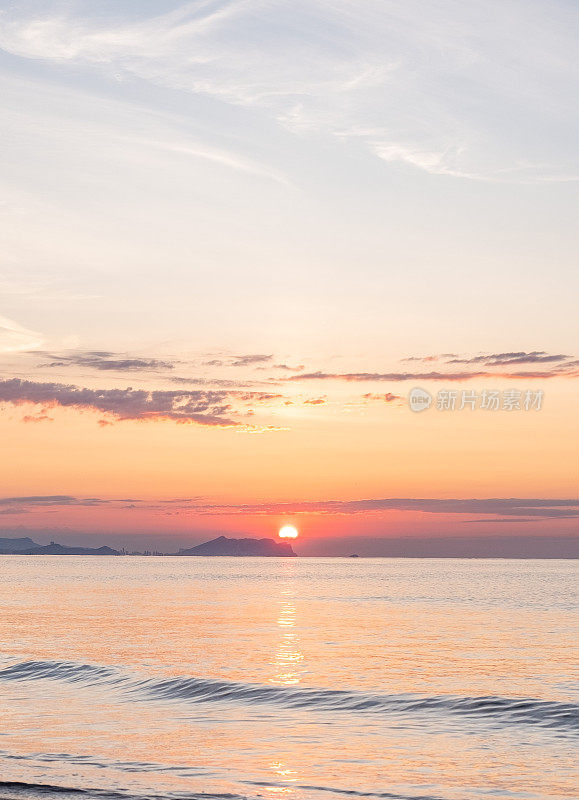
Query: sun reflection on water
[288,655]
[283,774]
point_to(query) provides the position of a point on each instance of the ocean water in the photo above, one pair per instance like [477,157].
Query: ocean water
[300,679]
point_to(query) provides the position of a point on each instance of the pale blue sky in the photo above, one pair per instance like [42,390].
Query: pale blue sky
[316,179]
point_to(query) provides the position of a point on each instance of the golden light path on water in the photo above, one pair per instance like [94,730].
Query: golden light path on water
[266,677]
[288,655]
[287,660]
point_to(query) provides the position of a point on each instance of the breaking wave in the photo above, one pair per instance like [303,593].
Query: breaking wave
[490,709]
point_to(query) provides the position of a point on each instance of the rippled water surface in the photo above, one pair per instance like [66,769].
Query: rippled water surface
[307,678]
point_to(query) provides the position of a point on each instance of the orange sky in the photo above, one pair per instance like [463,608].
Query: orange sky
[221,275]
[167,479]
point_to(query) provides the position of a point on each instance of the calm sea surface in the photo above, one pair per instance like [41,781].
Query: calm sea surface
[305,678]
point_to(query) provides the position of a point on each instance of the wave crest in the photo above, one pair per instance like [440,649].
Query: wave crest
[501,710]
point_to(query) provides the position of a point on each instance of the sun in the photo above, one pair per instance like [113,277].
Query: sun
[288,532]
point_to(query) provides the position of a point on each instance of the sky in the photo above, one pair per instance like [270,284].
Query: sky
[236,235]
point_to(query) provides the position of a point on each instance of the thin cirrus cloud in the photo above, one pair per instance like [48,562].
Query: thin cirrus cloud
[15,338]
[52,500]
[497,359]
[289,367]
[250,360]
[257,360]
[557,365]
[107,361]
[491,106]
[223,158]
[65,113]
[101,360]
[394,377]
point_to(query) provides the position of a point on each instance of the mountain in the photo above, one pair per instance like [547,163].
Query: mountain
[54,549]
[222,546]
[16,545]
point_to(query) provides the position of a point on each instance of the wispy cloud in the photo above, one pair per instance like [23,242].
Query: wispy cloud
[31,418]
[223,158]
[247,360]
[205,373]
[163,367]
[556,365]
[449,89]
[495,359]
[502,359]
[52,500]
[441,162]
[128,134]
[106,361]
[395,377]
[15,338]
[388,397]
[288,367]
[250,360]
[538,508]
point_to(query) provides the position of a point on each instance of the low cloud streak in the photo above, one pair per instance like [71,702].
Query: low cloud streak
[509,508]
[108,362]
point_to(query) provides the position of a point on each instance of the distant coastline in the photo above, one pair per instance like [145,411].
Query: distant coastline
[512,547]
[28,547]
[222,546]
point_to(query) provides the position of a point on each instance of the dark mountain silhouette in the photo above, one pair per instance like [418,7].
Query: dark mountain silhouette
[54,549]
[16,545]
[222,546]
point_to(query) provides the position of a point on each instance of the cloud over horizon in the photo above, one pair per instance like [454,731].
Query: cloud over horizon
[510,508]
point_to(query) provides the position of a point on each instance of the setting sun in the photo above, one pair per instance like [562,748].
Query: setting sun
[288,532]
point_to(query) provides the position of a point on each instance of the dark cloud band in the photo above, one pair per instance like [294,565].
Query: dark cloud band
[506,508]
[195,406]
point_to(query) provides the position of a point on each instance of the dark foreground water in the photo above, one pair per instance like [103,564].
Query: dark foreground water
[307,678]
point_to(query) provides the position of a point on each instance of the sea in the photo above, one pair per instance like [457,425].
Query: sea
[298,679]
